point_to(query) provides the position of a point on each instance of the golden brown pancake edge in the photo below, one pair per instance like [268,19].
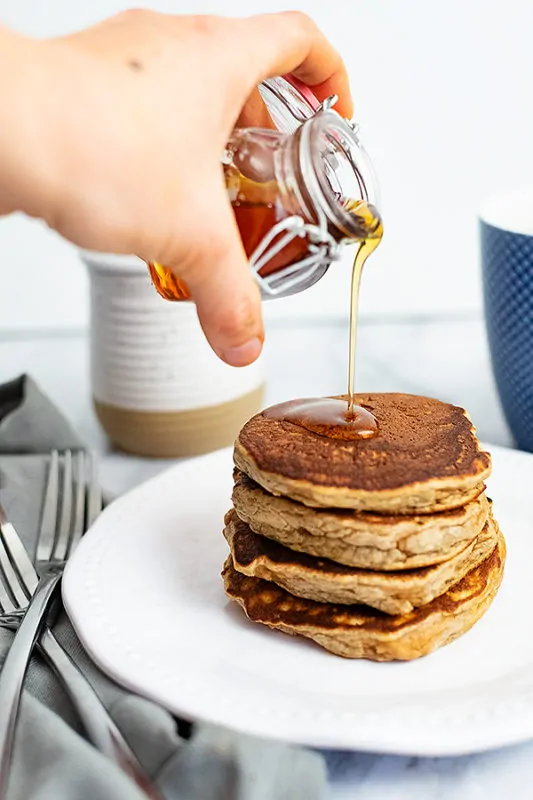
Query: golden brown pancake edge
[359,539]
[325,581]
[361,632]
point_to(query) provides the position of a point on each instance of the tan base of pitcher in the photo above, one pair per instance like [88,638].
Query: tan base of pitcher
[177,434]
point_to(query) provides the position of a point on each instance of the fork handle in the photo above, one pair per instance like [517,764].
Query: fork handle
[100,728]
[15,668]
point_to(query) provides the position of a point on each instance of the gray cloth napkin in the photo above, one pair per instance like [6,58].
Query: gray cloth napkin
[52,759]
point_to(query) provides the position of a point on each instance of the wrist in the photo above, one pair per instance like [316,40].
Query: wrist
[26,175]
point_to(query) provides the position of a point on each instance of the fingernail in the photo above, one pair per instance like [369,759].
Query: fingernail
[244,354]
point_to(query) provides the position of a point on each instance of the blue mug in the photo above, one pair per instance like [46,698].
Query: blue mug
[506,227]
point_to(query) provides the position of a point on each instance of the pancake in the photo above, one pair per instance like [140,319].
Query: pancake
[359,539]
[361,632]
[425,458]
[328,582]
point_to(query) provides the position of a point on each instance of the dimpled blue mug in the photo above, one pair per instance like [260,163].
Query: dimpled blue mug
[506,224]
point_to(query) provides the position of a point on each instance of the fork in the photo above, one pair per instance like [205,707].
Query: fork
[69,508]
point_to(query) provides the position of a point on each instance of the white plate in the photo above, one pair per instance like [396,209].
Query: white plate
[145,595]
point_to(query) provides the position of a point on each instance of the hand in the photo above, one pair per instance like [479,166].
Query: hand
[130,118]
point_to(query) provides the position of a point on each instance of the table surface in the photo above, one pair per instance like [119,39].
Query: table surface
[446,358]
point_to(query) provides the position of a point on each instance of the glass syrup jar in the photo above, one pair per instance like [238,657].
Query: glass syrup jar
[300,192]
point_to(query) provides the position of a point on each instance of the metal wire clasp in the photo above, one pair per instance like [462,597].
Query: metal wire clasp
[323,249]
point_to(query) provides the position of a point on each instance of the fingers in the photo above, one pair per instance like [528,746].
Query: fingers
[215,268]
[274,44]
[254,113]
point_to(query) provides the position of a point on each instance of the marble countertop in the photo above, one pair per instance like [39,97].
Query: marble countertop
[446,358]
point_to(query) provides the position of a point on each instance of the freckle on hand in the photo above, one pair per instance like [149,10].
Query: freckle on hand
[134,64]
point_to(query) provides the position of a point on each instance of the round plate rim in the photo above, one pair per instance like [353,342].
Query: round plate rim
[514,715]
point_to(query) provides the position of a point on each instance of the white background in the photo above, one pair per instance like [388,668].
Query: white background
[443,94]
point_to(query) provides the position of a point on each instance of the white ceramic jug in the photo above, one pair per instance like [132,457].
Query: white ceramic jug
[158,389]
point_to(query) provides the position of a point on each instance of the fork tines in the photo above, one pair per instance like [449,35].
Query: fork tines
[72,500]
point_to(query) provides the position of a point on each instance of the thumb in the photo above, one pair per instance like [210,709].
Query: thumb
[215,268]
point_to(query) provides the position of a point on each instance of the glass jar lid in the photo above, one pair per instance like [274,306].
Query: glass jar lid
[337,169]
[347,170]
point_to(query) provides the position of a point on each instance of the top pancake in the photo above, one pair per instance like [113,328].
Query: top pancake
[425,458]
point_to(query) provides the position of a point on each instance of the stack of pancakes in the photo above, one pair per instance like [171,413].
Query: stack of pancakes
[381,548]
